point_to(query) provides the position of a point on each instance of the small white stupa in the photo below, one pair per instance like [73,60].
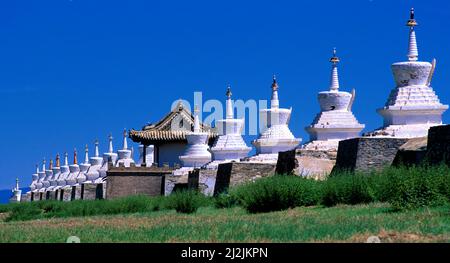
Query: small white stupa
[276,137]
[40,185]
[229,145]
[17,193]
[197,152]
[96,163]
[74,170]
[107,157]
[84,167]
[124,153]
[412,107]
[64,173]
[48,176]
[335,121]
[56,171]
[35,178]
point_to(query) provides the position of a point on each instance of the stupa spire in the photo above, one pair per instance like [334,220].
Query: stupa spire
[37,168]
[58,162]
[66,159]
[43,165]
[229,105]
[274,102]
[110,148]
[86,154]
[196,120]
[96,148]
[413,52]
[75,160]
[125,144]
[51,164]
[17,183]
[334,80]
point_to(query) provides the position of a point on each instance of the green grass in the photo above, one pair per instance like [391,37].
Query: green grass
[208,224]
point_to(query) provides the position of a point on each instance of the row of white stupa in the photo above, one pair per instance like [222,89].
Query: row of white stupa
[411,109]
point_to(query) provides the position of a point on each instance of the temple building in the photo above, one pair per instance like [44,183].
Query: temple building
[125,154]
[276,136]
[146,160]
[169,135]
[335,121]
[229,145]
[412,107]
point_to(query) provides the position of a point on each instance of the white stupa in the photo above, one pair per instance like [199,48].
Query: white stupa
[74,169]
[48,176]
[197,152]
[56,173]
[412,107]
[124,154]
[84,167]
[17,193]
[276,137]
[335,121]
[96,163]
[64,173]
[40,185]
[108,156]
[229,145]
[35,178]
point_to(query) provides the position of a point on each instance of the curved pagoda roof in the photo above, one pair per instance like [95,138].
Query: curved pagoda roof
[172,128]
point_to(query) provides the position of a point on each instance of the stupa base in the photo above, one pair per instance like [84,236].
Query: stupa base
[274,146]
[402,131]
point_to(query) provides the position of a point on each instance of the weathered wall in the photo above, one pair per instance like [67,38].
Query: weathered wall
[126,181]
[202,180]
[367,153]
[309,163]
[92,191]
[233,174]
[438,149]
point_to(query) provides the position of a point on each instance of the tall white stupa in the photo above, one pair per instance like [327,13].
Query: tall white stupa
[64,172]
[276,136]
[40,185]
[124,154]
[229,145]
[74,170]
[17,193]
[96,163]
[197,152]
[412,107]
[56,173]
[108,156]
[48,176]
[335,121]
[35,178]
[84,167]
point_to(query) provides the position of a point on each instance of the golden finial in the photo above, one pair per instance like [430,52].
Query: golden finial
[51,164]
[75,161]
[229,92]
[334,59]
[57,160]
[411,21]
[274,83]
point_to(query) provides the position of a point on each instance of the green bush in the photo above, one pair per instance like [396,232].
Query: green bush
[348,188]
[418,187]
[185,201]
[278,193]
[226,200]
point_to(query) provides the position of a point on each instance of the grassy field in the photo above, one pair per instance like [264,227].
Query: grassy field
[342,223]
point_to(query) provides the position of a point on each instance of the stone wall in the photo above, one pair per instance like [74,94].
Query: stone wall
[234,173]
[308,163]
[438,149]
[202,180]
[367,153]
[92,191]
[126,181]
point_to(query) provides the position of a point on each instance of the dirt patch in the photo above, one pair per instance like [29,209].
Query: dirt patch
[399,237]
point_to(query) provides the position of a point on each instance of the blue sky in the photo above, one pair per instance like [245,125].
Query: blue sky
[73,71]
